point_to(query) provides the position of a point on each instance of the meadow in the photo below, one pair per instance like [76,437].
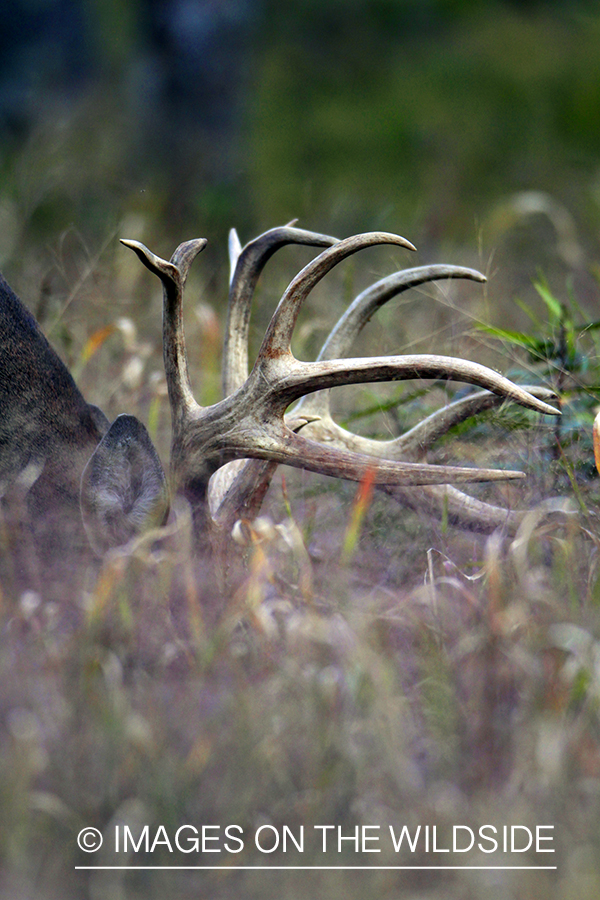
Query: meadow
[363,665]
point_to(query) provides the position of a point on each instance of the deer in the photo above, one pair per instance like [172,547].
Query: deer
[77,474]
[54,447]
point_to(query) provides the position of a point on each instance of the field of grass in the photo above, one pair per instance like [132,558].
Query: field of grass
[363,668]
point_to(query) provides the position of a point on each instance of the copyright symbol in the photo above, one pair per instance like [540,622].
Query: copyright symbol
[89,839]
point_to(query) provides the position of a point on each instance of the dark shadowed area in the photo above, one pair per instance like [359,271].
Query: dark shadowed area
[361,660]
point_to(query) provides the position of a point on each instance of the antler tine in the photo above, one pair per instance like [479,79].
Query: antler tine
[339,342]
[278,443]
[304,377]
[414,443]
[458,506]
[361,310]
[278,337]
[237,489]
[366,304]
[290,379]
[246,265]
[235,248]
[263,434]
[173,275]
[421,437]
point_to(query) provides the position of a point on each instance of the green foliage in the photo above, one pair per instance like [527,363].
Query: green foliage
[553,347]
[423,114]
[422,127]
[563,350]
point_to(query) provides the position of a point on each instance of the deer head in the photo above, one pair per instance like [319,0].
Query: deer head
[58,452]
[62,453]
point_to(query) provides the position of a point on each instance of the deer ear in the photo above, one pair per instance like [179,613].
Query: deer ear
[99,419]
[123,486]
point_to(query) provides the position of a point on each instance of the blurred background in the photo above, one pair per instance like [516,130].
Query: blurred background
[417,116]
[469,126]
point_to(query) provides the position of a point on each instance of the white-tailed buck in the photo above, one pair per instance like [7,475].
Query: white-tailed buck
[63,461]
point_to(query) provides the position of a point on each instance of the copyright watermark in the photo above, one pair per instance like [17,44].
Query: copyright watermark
[488,840]
[326,847]
[89,839]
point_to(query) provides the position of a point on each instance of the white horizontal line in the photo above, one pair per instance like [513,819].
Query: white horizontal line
[339,868]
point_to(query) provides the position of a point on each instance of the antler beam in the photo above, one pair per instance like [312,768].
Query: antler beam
[250,423]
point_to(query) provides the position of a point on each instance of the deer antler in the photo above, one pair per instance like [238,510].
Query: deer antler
[250,423]
[414,444]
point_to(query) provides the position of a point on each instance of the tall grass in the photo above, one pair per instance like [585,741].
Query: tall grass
[363,666]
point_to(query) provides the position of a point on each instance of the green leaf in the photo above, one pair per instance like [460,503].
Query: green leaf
[554,306]
[519,338]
